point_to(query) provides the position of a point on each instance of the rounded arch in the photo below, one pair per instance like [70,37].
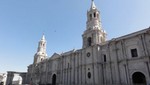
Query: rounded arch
[54,79]
[1,80]
[97,15]
[17,79]
[138,78]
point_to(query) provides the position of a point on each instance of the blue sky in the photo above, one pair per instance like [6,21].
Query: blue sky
[22,23]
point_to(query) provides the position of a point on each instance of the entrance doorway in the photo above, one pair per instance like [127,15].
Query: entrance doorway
[138,78]
[54,79]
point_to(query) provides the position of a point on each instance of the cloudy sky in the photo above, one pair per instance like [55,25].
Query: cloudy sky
[22,23]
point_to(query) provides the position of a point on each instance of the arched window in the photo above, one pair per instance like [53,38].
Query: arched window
[89,41]
[94,14]
[90,16]
[41,59]
[89,75]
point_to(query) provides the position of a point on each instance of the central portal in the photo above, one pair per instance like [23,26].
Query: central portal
[139,78]
[54,79]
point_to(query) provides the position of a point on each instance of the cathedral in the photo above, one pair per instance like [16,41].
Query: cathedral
[120,61]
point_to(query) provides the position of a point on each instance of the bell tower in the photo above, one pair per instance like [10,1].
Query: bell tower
[94,34]
[41,51]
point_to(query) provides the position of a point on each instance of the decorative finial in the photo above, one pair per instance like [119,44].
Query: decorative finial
[93,6]
[43,37]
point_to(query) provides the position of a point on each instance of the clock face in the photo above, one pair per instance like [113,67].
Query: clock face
[88,54]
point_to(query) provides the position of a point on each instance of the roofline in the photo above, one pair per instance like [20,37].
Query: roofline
[130,35]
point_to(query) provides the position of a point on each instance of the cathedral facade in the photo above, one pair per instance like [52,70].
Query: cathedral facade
[121,61]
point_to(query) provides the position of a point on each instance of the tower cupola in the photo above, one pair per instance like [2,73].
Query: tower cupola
[41,51]
[93,19]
